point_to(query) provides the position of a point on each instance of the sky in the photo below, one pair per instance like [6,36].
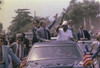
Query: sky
[43,8]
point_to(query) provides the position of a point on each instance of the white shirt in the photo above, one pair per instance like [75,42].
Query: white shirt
[64,35]
[83,34]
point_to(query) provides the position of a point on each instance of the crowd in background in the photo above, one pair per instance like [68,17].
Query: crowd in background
[18,46]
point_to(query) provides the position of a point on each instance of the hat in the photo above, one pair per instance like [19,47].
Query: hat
[65,23]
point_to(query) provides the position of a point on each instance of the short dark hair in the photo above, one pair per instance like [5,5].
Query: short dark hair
[19,38]
[41,23]
[81,26]
[23,34]
[37,21]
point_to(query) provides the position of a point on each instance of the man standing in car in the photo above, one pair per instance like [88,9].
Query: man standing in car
[83,34]
[70,27]
[36,26]
[43,33]
[63,32]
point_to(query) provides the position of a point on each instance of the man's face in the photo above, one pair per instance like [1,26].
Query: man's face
[65,26]
[44,24]
[19,41]
[1,42]
[81,29]
[35,24]
[71,24]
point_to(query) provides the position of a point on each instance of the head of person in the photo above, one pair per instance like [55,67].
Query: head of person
[23,35]
[43,23]
[19,40]
[70,22]
[2,40]
[80,28]
[11,40]
[98,36]
[65,25]
[36,23]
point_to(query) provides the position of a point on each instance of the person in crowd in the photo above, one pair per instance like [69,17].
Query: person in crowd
[26,42]
[95,49]
[63,32]
[5,51]
[43,33]
[14,38]
[70,27]
[18,49]
[5,41]
[83,34]
[36,26]
[10,40]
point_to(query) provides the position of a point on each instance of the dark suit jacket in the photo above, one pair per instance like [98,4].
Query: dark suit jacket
[26,42]
[87,35]
[96,53]
[34,39]
[14,45]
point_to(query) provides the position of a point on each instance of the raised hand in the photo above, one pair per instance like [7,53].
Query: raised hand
[56,16]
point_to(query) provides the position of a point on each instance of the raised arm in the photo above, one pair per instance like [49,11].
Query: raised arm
[57,30]
[52,24]
[96,53]
[60,23]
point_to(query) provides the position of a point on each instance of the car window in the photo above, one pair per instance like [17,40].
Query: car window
[52,52]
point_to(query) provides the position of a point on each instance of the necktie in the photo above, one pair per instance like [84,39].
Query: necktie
[81,34]
[34,32]
[1,54]
[18,52]
[45,34]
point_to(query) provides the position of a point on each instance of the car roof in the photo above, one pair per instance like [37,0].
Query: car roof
[54,43]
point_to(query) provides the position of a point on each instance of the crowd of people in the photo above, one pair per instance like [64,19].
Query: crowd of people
[18,47]
[13,50]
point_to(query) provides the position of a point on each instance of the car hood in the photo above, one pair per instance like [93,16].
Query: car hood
[58,66]
[65,66]
[60,61]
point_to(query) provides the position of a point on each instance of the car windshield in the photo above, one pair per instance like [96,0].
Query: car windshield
[53,52]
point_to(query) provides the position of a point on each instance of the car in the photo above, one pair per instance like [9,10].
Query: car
[54,54]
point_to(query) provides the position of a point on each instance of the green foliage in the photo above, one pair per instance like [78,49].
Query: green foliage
[22,19]
[22,22]
[78,10]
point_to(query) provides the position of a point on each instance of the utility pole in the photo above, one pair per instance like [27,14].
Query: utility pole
[34,13]
[1,2]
